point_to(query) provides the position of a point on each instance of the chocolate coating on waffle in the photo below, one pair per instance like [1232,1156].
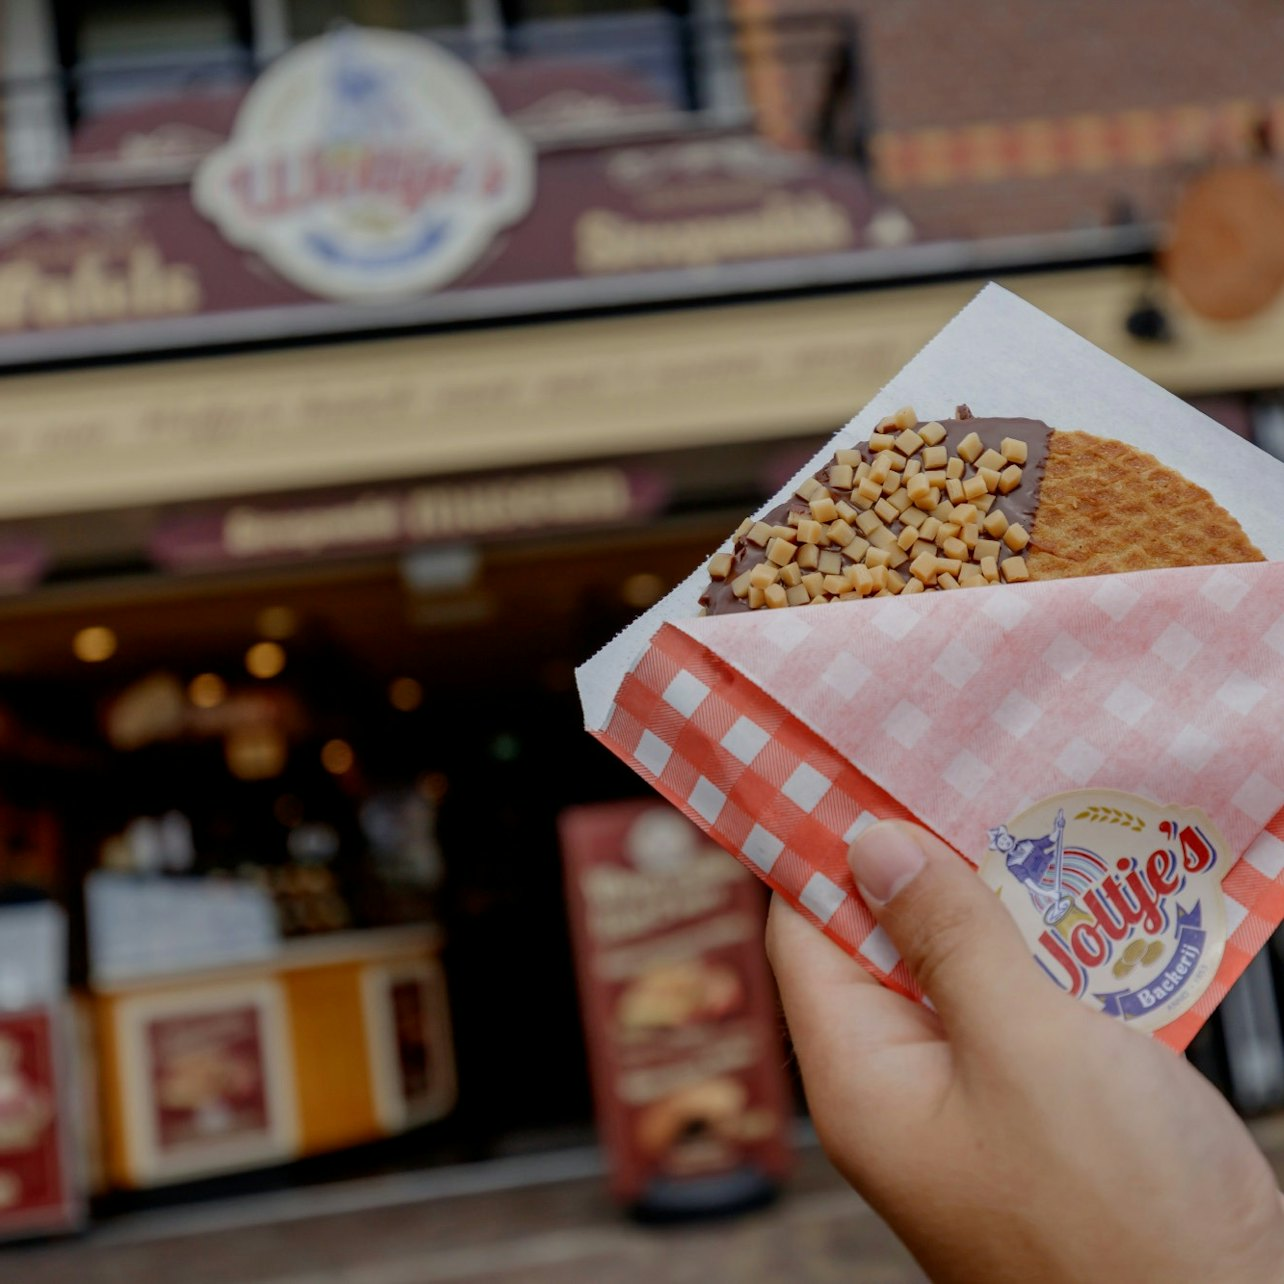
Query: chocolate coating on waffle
[1019,506]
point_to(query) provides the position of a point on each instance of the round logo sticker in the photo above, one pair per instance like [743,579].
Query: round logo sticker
[1119,898]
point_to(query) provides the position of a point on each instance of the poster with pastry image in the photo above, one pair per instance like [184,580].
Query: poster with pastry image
[38,1182]
[679,1010]
[207,1074]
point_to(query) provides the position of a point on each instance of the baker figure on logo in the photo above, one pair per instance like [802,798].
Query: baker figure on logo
[1029,861]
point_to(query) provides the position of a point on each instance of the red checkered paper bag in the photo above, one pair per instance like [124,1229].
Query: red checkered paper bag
[1107,750]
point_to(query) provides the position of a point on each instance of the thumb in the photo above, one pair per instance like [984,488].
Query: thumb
[959,943]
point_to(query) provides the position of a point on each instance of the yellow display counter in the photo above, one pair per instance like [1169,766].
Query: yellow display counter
[334,1041]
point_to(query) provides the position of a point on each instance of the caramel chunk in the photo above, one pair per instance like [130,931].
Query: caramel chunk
[909,442]
[1016,537]
[840,533]
[1009,479]
[781,551]
[923,567]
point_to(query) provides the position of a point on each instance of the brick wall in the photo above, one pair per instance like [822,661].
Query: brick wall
[935,62]
[995,117]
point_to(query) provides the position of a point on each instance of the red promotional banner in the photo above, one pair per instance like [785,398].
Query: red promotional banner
[679,1011]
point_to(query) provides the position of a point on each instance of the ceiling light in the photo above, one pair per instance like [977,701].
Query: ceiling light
[277,622]
[265,659]
[207,690]
[337,757]
[94,644]
[643,589]
[405,694]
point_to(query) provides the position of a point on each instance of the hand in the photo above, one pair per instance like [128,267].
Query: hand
[1012,1134]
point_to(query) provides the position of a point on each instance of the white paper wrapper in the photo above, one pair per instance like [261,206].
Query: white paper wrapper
[1014,713]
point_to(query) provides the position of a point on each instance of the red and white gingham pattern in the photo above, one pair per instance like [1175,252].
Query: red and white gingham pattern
[1168,684]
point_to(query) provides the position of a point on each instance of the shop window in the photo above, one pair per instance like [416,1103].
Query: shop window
[116,54]
[657,39]
[309,18]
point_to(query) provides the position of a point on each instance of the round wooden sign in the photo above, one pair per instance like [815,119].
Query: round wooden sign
[1225,252]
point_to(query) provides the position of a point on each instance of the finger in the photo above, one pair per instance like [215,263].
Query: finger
[838,1014]
[871,1059]
[959,943]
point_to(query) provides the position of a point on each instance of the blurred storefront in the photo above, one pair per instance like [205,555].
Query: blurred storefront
[351,398]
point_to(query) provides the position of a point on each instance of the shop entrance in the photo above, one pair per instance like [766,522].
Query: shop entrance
[370,744]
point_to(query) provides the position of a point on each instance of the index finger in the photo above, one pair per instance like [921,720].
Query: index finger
[830,1000]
